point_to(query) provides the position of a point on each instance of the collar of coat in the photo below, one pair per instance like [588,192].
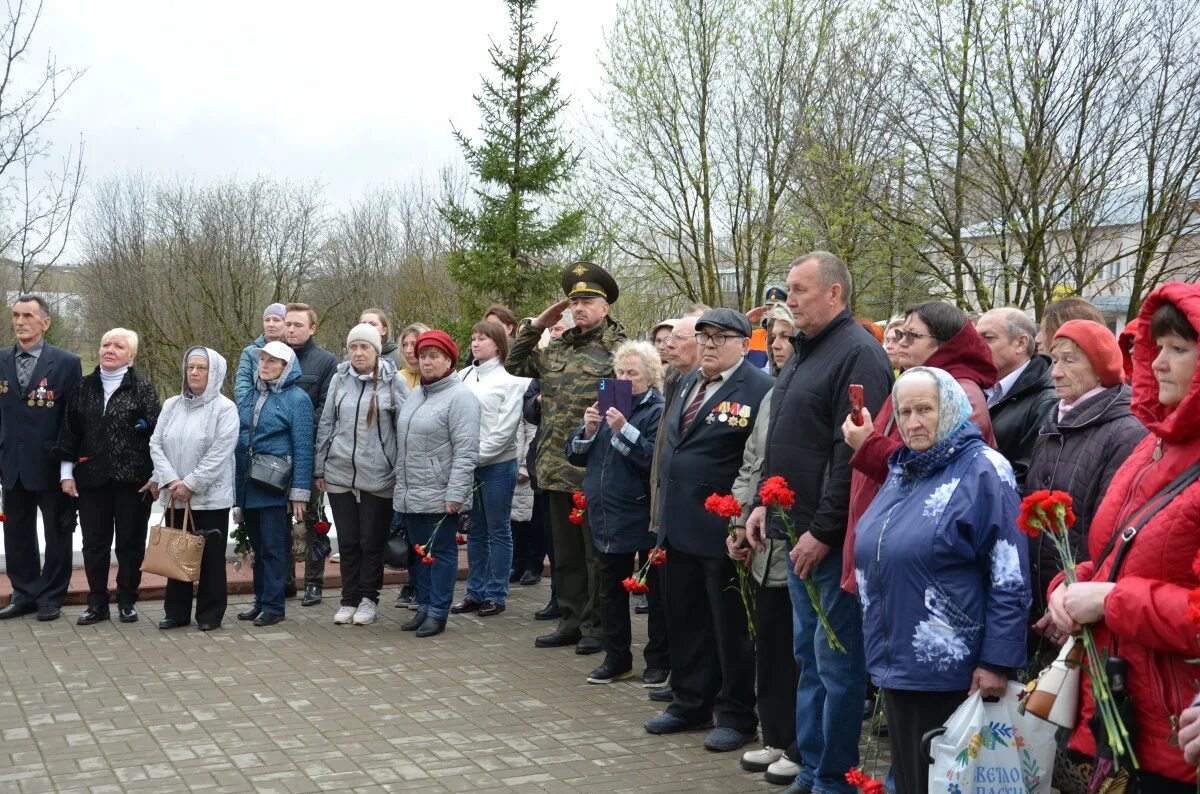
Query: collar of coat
[913,466]
[609,334]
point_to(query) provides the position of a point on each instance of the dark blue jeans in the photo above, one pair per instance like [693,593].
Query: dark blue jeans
[270,538]
[435,582]
[490,542]
[833,685]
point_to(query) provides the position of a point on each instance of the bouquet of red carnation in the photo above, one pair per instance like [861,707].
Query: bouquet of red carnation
[864,782]
[775,492]
[729,507]
[637,583]
[580,507]
[1050,512]
[427,546]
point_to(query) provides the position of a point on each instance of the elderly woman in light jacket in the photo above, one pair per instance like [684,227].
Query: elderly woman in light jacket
[438,432]
[192,449]
[355,464]
[490,541]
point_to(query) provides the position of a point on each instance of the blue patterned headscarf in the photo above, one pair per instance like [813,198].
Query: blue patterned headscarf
[954,409]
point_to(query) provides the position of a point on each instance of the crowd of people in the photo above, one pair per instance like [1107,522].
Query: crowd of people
[883,559]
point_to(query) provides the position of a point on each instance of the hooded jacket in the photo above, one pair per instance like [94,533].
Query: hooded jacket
[356,439]
[1147,610]
[941,568]
[438,447]
[1078,454]
[195,440]
[284,429]
[243,383]
[1018,415]
[617,479]
[499,395]
[968,359]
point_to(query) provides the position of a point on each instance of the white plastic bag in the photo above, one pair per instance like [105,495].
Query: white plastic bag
[991,748]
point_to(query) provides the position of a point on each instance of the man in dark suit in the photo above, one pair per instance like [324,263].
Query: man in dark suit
[712,656]
[35,379]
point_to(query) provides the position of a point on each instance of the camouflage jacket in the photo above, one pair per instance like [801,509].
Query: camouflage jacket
[569,369]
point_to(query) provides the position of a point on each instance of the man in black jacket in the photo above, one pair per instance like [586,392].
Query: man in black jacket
[317,366]
[1024,396]
[805,446]
[35,379]
[712,656]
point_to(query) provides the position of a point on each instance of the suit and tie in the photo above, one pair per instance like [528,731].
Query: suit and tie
[33,395]
[712,656]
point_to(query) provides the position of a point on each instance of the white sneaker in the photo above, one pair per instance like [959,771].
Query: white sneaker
[335,557]
[365,613]
[343,615]
[782,772]
[760,760]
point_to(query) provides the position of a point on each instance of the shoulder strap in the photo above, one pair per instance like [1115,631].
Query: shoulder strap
[1142,516]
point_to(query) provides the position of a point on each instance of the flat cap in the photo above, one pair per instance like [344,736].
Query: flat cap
[727,319]
[589,280]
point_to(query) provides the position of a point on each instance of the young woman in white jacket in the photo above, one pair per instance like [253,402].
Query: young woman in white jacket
[489,542]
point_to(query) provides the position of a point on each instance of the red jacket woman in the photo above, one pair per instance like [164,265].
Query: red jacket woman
[1142,617]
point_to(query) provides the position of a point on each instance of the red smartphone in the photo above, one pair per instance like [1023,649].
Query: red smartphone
[856,403]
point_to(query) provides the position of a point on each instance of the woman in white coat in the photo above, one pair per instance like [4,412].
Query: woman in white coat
[489,542]
[192,448]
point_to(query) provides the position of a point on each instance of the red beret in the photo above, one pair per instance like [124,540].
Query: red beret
[1100,347]
[442,341]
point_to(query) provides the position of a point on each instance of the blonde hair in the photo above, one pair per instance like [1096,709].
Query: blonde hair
[130,337]
[645,352]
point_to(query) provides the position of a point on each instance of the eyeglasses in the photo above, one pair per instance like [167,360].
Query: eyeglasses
[718,339]
[909,337]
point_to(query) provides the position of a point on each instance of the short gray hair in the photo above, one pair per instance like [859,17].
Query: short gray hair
[644,352]
[1017,322]
[832,271]
[130,337]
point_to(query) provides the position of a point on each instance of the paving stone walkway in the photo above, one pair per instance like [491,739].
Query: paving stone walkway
[308,706]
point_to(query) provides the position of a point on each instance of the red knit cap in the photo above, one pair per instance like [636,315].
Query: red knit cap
[442,341]
[1100,347]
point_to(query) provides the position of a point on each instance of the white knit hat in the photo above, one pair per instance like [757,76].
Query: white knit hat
[365,333]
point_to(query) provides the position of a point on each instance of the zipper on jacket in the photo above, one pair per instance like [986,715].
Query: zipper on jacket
[887,636]
[362,387]
[1168,705]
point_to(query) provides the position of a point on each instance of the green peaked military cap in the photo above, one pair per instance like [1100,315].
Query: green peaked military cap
[589,280]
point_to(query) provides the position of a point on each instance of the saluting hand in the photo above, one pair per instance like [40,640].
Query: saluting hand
[552,314]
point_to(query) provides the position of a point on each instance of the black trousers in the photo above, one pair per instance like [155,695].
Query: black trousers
[33,581]
[529,545]
[910,716]
[575,560]
[362,532]
[614,613]
[115,506]
[211,591]
[778,673]
[541,507]
[712,656]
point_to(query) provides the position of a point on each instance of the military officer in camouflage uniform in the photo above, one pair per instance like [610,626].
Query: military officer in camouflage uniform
[569,370]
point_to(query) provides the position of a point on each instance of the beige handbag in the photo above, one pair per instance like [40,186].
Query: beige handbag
[175,553]
[1055,695]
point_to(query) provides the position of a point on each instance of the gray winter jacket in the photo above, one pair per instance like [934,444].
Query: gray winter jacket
[438,447]
[195,439]
[356,447]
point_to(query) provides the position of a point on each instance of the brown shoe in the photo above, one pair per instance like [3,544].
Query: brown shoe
[468,604]
[490,608]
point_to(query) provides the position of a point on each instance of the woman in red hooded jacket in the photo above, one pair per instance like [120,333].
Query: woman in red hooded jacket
[934,334]
[1140,614]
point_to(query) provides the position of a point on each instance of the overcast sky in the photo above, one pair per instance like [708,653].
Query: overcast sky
[350,94]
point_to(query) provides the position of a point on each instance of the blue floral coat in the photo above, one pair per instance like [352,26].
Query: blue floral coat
[942,570]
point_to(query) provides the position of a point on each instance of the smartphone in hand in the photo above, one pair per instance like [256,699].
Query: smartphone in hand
[856,403]
[613,393]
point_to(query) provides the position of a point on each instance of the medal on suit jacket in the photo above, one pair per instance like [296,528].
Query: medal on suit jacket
[3,387]
[42,396]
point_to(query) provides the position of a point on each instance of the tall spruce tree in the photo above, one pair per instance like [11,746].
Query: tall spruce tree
[521,163]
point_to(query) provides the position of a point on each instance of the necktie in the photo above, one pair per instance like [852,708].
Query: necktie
[694,406]
[24,369]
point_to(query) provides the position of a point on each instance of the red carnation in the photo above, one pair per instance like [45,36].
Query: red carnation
[635,585]
[776,491]
[658,556]
[579,500]
[725,506]
[322,527]
[420,549]
[3,517]
[460,540]
[575,516]
[427,560]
